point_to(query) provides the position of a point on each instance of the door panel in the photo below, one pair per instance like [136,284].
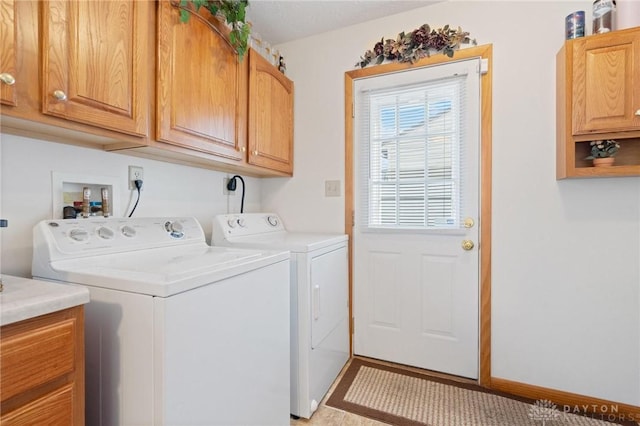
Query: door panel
[270,116]
[95,66]
[605,96]
[328,293]
[200,81]
[8,52]
[416,289]
[384,267]
[437,281]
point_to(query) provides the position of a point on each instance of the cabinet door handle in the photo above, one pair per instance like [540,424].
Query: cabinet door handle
[638,112]
[255,152]
[60,95]
[7,79]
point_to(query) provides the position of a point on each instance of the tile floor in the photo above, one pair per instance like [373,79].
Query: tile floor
[329,416]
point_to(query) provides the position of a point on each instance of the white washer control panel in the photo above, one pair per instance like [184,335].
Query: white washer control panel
[94,236]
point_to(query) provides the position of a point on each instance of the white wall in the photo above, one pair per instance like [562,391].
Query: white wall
[566,275]
[168,190]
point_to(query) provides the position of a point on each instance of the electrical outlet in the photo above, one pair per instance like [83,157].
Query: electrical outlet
[225,191]
[135,173]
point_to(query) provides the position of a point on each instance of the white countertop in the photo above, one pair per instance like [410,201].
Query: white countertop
[23,298]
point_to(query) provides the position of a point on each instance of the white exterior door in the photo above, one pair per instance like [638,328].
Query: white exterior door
[416,271]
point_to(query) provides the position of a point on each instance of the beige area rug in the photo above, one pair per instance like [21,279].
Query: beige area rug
[401,397]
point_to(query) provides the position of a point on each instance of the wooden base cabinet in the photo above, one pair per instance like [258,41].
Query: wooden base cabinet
[598,98]
[42,370]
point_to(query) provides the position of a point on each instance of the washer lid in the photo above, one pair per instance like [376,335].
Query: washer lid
[297,242]
[163,271]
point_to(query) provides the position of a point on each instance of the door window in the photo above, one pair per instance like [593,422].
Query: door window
[412,152]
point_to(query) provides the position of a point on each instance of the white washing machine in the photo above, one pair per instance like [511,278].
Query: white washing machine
[319,299]
[177,332]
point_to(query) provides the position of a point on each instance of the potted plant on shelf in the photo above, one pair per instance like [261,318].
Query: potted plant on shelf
[603,152]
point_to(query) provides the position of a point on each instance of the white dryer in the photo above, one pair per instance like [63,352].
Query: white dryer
[177,332]
[319,298]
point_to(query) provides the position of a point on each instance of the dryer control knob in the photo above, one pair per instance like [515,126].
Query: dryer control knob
[128,231]
[105,233]
[232,222]
[241,222]
[79,235]
[273,220]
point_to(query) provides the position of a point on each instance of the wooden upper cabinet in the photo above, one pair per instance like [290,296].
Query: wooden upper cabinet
[598,97]
[201,100]
[95,67]
[270,116]
[606,82]
[8,52]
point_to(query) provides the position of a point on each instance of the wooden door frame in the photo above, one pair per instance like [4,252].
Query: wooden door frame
[484,52]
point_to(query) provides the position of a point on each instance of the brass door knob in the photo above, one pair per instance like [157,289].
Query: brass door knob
[468,223]
[467,245]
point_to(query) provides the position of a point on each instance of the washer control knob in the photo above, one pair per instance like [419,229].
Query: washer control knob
[175,229]
[232,222]
[241,222]
[273,220]
[105,233]
[128,231]
[79,234]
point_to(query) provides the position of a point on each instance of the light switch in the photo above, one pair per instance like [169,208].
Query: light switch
[331,188]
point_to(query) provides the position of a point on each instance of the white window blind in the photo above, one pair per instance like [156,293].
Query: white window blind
[411,150]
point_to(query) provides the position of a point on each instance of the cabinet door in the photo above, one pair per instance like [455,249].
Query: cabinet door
[8,52]
[270,116]
[54,408]
[95,62]
[606,86]
[199,85]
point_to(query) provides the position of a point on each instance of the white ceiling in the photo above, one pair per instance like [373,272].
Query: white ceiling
[285,20]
